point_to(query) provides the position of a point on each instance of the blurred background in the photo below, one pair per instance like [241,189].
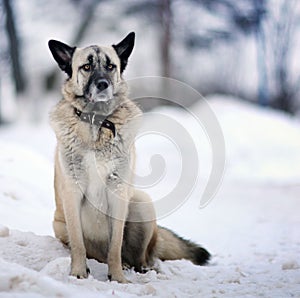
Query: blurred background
[245,48]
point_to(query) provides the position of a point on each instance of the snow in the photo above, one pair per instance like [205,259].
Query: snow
[252,226]
[262,145]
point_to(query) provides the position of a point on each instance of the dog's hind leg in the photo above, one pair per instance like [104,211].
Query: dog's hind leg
[140,232]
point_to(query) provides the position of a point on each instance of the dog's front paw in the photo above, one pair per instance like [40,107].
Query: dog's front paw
[80,273]
[119,278]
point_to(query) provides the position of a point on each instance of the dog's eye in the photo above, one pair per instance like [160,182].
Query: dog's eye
[87,67]
[110,66]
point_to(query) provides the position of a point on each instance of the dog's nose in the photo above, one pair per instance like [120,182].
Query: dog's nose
[102,84]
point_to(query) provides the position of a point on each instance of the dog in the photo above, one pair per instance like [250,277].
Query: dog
[98,212]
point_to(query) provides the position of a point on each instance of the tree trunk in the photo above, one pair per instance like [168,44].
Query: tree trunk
[263,90]
[14,48]
[166,19]
[1,121]
[284,96]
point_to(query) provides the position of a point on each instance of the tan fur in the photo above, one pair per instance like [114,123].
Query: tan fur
[98,212]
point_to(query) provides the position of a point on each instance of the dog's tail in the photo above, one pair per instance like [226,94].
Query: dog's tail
[170,246]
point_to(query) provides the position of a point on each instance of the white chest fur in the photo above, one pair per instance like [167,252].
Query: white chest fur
[96,181]
[95,207]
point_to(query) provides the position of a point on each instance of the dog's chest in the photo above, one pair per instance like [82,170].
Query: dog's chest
[97,171]
[96,205]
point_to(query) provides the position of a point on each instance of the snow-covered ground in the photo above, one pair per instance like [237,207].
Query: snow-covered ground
[252,226]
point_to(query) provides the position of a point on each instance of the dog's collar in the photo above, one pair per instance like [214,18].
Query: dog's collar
[94,119]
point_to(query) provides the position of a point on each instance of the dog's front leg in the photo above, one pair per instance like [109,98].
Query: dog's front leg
[118,214]
[72,215]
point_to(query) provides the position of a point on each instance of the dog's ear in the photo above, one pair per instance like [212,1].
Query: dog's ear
[124,49]
[62,54]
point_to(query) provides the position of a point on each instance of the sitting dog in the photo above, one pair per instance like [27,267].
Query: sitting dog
[98,212]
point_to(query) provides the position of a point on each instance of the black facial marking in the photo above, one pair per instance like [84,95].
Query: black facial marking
[108,61]
[91,59]
[96,49]
[97,52]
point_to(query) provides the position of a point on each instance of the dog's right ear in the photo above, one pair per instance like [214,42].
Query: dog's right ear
[62,53]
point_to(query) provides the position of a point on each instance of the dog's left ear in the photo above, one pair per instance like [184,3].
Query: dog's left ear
[62,53]
[124,49]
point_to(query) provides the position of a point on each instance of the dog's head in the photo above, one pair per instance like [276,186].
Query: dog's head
[95,72]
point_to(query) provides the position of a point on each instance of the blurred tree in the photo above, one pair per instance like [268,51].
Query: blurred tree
[263,86]
[158,12]
[281,31]
[14,47]
[273,33]
[166,36]
[1,120]
[240,17]
[244,17]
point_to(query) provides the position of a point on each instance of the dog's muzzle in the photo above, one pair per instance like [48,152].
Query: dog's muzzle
[100,90]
